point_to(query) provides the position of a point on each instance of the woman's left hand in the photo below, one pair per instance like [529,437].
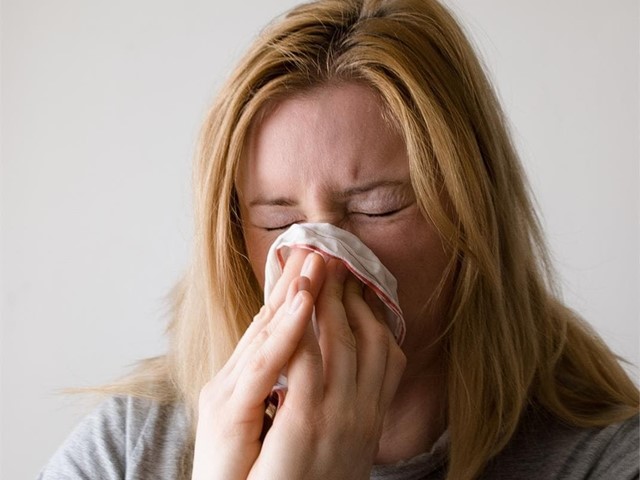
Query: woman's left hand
[340,387]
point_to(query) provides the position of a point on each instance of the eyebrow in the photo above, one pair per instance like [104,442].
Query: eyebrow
[350,192]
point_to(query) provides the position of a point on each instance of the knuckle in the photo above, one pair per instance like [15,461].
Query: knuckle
[334,291]
[375,335]
[314,355]
[262,336]
[258,362]
[345,337]
[259,339]
[261,316]
[268,310]
[379,337]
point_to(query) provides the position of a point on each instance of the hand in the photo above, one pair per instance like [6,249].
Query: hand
[231,406]
[340,387]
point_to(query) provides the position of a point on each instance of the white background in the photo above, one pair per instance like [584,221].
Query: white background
[101,106]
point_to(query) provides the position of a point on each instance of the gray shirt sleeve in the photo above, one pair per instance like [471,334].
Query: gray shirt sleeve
[125,438]
[95,448]
[619,455]
[544,448]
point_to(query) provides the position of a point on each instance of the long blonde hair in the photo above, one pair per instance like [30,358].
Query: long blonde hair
[510,343]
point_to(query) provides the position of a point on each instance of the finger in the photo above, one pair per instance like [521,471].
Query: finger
[314,268]
[378,349]
[375,304]
[297,261]
[336,340]
[251,343]
[305,374]
[305,370]
[311,265]
[255,327]
[262,366]
[292,268]
[372,341]
[301,262]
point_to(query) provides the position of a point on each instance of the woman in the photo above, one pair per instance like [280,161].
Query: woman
[376,117]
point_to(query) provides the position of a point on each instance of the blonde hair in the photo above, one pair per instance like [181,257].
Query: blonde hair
[510,343]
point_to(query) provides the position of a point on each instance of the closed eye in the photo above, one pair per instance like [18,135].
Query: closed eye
[273,229]
[383,214]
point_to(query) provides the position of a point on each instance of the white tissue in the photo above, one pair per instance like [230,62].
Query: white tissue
[333,242]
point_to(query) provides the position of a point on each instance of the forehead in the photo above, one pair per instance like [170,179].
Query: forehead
[339,134]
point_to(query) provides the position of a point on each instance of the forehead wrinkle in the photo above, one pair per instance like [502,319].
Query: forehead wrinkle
[347,147]
[361,134]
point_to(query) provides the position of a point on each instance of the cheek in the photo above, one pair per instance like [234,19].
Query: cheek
[258,243]
[414,254]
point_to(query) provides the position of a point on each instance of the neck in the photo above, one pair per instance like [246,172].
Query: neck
[416,417]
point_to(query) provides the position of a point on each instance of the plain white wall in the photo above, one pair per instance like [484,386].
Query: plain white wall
[101,106]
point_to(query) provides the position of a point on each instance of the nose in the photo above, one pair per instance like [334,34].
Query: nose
[323,205]
[335,218]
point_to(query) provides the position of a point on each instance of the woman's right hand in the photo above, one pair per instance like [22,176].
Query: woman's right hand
[231,406]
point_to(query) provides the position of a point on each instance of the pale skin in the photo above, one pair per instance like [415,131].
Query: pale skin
[355,397]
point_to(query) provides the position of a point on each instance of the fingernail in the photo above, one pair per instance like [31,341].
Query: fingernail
[291,291]
[296,303]
[306,266]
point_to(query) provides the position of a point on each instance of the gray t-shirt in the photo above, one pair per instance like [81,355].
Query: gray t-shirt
[135,439]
